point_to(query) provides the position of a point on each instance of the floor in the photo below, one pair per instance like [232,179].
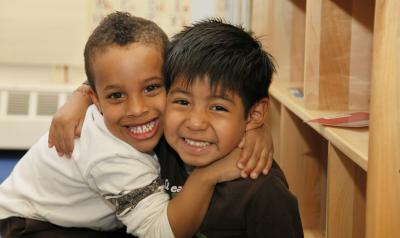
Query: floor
[8,159]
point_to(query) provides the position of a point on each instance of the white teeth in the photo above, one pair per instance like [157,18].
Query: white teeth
[143,128]
[197,143]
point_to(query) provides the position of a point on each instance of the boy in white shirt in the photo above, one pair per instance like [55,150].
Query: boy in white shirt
[113,178]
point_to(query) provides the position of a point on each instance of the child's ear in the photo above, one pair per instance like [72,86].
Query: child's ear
[95,100]
[257,114]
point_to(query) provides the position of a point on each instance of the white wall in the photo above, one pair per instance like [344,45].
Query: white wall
[202,9]
[43,32]
[41,47]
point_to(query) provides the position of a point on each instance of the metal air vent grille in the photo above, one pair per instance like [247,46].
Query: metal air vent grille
[47,104]
[18,103]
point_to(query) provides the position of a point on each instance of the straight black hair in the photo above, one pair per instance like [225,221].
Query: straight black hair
[230,57]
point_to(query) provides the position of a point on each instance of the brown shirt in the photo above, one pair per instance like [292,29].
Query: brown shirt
[241,208]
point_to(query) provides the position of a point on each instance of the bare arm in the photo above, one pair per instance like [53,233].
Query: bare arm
[120,181]
[67,121]
[187,210]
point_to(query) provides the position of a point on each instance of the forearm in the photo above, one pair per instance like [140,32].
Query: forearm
[68,120]
[187,210]
[156,216]
[184,213]
[149,218]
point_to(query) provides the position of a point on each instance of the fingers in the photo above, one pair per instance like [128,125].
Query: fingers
[50,139]
[67,122]
[53,140]
[68,141]
[59,149]
[248,160]
[255,158]
[257,163]
[58,141]
[262,162]
[270,158]
[269,163]
[78,129]
[61,137]
[245,155]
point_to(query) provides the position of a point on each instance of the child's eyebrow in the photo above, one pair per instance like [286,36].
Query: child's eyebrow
[223,97]
[179,90]
[110,87]
[153,78]
[116,86]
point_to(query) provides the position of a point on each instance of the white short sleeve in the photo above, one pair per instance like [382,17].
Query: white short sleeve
[133,187]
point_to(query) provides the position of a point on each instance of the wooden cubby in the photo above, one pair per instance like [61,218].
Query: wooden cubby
[343,55]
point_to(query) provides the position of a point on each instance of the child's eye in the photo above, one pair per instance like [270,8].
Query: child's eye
[152,87]
[218,108]
[116,95]
[181,102]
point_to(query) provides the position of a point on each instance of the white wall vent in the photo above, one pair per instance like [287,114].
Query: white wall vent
[47,104]
[18,103]
[25,112]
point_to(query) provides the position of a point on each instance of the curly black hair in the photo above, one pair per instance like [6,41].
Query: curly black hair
[121,28]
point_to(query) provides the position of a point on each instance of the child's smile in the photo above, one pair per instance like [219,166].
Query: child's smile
[143,131]
[196,146]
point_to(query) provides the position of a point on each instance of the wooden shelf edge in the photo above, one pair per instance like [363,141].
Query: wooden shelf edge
[311,233]
[353,142]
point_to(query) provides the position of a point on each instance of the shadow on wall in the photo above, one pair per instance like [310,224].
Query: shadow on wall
[8,159]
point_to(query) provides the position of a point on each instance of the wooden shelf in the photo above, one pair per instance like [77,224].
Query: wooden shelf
[352,142]
[313,234]
[339,53]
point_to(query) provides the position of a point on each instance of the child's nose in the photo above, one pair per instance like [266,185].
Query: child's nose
[136,107]
[197,120]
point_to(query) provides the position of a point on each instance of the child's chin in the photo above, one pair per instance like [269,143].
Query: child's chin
[146,146]
[196,161]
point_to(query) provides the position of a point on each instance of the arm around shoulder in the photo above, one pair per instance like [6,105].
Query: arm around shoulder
[132,187]
[187,210]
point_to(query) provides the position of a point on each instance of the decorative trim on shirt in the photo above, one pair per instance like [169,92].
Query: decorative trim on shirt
[124,202]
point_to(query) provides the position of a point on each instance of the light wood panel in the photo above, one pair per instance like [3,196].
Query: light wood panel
[383,209]
[361,54]
[296,54]
[262,23]
[313,234]
[346,194]
[337,58]
[303,159]
[281,32]
[312,54]
[274,123]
